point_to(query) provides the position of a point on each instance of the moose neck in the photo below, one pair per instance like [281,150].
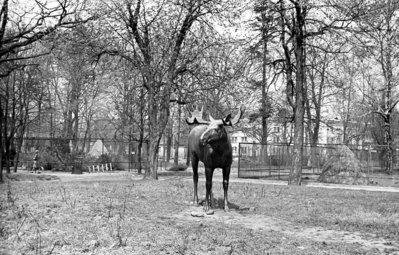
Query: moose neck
[220,144]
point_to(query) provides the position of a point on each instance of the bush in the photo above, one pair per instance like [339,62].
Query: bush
[178,168]
[343,167]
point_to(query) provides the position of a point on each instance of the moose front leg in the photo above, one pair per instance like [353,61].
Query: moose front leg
[226,176]
[208,196]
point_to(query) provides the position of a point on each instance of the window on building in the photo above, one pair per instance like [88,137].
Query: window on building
[243,139]
[234,139]
[276,129]
[234,149]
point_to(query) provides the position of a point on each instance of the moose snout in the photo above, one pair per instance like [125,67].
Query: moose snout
[207,136]
[203,141]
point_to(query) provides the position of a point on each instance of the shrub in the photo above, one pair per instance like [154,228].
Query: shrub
[178,168]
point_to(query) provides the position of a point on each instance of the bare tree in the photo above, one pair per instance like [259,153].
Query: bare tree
[157,37]
[378,33]
[21,26]
[300,20]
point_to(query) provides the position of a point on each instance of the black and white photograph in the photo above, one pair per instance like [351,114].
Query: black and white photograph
[199,127]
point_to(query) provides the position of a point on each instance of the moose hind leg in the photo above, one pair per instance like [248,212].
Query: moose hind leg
[195,179]
[226,176]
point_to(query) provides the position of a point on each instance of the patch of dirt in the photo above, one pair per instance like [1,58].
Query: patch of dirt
[241,217]
[68,177]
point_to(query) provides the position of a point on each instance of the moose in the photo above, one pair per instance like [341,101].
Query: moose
[209,143]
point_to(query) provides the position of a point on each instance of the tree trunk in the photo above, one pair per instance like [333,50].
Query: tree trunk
[388,143]
[299,50]
[157,126]
[5,145]
[264,81]
[18,150]
[389,106]
[177,136]
[169,138]
[141,135]
[1,140]
[139,155]
[264,92]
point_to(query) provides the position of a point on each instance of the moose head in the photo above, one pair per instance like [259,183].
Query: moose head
[215,130]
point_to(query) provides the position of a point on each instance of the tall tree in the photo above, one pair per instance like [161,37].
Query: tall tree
[300,20]
[378,32]
[21,26]
[294,25]
[157,35]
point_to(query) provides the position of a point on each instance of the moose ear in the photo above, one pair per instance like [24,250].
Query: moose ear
[236,118]
[227,120]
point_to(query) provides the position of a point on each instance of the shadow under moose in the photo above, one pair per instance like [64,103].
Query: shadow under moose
[209,143]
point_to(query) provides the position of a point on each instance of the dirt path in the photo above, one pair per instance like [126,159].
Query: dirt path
[118,175]
[264,223]
[218,178]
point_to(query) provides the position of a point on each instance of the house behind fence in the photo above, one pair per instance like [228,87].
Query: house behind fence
[275,160]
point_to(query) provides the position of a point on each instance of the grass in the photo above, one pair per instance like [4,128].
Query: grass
[365,211]
[135,217]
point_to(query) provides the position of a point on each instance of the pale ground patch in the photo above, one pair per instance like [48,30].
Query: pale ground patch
[269,224]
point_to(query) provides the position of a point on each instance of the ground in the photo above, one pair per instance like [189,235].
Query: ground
[119,213]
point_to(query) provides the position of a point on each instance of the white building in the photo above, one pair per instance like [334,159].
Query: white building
[240,137]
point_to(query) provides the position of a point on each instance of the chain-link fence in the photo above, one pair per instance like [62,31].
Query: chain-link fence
[79,155]
[275,160]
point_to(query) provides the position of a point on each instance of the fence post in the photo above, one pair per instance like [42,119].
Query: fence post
[270,163]
[239,159]
[279,160]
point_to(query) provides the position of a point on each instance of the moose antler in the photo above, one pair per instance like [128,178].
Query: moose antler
[196,117]
[238,116]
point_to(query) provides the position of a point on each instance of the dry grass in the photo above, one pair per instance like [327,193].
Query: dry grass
[134,217]
[365,211]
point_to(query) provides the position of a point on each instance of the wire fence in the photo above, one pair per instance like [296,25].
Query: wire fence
[90,155]
[272,161]
[275,160]
[78,155]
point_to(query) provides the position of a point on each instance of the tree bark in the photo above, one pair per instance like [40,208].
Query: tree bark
[1,139]
[264,91]
[177,136]
[169,138]
[141,135]
[299,51]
